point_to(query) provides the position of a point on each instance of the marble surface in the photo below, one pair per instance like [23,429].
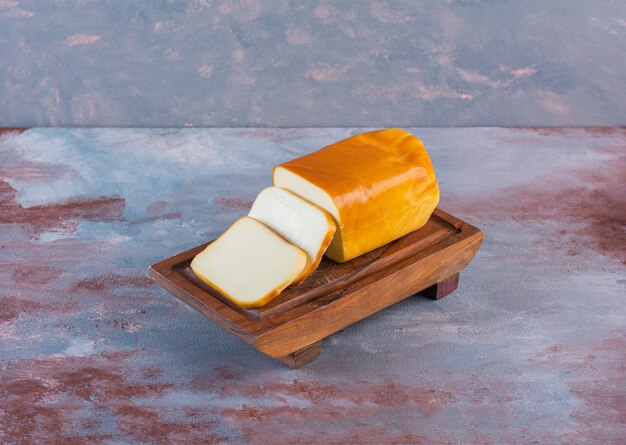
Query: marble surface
[314,63]
[530,348]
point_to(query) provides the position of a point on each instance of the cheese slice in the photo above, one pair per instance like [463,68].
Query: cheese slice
[378,186]
[300,222]
[249,263]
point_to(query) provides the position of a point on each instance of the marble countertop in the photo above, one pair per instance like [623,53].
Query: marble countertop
[530,348]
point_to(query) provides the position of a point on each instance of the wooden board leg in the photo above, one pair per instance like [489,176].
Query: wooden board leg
[443,288]
[303,356]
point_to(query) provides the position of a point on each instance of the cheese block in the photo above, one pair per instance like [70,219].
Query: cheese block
[378,186]
[300,222]
[249,263]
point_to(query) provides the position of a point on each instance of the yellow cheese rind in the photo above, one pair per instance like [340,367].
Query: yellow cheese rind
[379,186]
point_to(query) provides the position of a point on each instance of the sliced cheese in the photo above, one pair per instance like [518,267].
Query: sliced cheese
[249,263]
[300,222]
[378,186]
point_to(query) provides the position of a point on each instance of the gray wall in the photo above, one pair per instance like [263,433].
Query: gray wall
[312,63]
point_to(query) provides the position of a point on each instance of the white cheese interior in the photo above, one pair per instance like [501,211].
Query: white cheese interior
[249,261]
[283,178]
[298,221]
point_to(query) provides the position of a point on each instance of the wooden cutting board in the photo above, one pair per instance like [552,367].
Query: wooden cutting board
[290,328]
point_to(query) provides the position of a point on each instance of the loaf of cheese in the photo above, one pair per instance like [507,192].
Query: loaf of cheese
[378,186]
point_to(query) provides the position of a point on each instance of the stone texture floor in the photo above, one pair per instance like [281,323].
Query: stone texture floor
[530,349]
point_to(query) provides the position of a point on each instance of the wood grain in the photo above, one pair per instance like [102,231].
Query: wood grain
[331,276]
[303,356]
[337,295]
[443,288]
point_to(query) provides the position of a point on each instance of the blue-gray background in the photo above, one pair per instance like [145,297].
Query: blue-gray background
[312,63]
